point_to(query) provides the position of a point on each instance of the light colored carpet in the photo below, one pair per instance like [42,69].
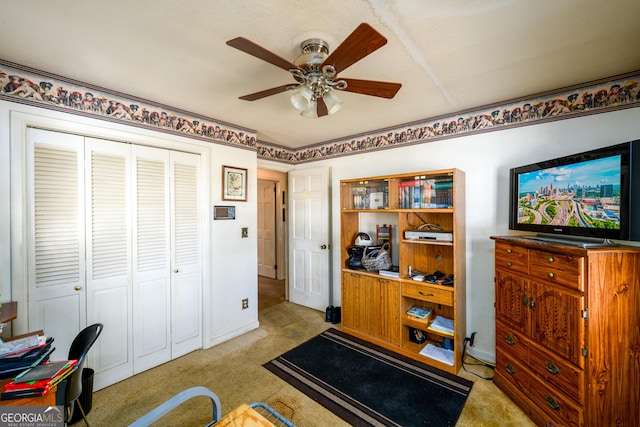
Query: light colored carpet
[233,370]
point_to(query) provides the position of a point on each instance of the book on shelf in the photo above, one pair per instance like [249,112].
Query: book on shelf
[420,312]
[438,353]
[393,271]
[423,193]
[442,325]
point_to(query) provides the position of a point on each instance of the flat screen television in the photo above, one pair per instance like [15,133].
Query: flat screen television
[586,198]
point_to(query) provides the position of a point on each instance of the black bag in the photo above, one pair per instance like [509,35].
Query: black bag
[355,257]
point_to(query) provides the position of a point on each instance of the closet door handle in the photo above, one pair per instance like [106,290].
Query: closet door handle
[78,288]
[175,270]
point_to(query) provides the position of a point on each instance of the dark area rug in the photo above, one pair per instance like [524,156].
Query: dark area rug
[367,385]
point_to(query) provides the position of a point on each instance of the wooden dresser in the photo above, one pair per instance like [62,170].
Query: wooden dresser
[568,331]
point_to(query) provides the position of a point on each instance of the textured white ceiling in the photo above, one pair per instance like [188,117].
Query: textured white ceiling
[448,55]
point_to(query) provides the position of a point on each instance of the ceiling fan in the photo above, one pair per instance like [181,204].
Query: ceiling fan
[316,71]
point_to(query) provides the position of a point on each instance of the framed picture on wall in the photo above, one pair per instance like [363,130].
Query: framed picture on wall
[234,184]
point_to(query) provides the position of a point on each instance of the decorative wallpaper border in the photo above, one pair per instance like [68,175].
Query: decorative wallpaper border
[38,88]
[614,93]
[34,87]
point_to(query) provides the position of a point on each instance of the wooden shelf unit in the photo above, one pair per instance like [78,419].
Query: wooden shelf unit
[373,306]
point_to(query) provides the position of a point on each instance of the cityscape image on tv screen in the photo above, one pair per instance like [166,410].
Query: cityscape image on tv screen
[585,194]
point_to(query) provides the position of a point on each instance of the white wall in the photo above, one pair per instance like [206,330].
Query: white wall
[228,278]
[232,261]
[486,160]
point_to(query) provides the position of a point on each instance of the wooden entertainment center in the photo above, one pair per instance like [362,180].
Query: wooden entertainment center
[374,306]
[568,331]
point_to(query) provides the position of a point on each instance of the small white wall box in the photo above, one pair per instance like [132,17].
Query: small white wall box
[224,212]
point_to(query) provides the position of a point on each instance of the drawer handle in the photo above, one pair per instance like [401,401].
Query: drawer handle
[427,295]
[525,300]
[508,251]
[552,403]
[550,259]
[550,275]
[509,264]
[510,369]
[532,303]
[551,367]
[509,339]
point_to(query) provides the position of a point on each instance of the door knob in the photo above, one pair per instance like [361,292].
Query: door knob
[323,246]
[78,288]
[175,270]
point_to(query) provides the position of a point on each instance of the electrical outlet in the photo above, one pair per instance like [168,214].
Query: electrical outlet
[245,232]
[245,303]
[472,339]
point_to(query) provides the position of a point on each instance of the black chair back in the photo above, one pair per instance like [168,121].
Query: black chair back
[78,351]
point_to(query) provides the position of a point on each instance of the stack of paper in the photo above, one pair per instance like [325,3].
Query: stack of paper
[21,344]
[392,271]
[39,380]
[19,355]
[442,325]
[438,353]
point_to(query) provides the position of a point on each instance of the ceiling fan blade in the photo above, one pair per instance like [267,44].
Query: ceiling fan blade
[371,87]
[360,43]
[268,92]
[258,51]
[321,109]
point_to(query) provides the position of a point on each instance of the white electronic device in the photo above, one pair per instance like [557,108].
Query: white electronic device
[428,235]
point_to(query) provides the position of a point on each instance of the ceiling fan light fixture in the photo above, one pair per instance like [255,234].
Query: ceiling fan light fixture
[302,98]
[316,71]
[333,102]
[311,112]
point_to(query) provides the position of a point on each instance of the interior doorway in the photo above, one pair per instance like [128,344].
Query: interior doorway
[270,292]
[272,238]
[267,234]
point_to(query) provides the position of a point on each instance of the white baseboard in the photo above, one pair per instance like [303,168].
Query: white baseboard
[485,356]
[232,334]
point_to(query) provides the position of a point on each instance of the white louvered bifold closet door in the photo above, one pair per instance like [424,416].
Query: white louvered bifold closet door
[186,288]
[113,237]
[151,258]
[109,272]
[55,236]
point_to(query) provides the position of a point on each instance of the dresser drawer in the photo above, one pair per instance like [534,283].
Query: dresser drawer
[557,372]
[512,257]
[560,269]
[513,371]
[512,342]
[435,294]
[555,408]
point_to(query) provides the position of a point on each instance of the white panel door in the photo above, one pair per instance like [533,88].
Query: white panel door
[309,246]
[267,228]
[186,282]
[108,266]
[151,258]
[55,236]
